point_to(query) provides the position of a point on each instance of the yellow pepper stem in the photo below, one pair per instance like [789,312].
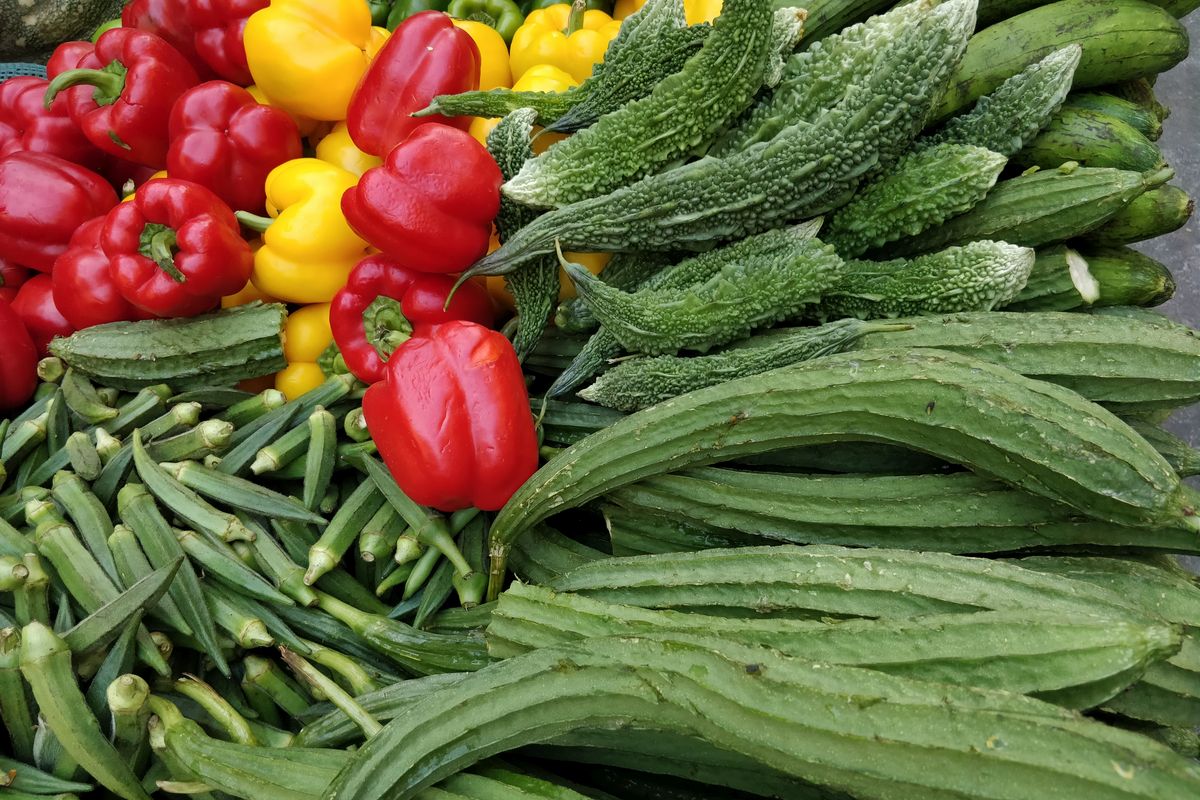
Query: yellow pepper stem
[575,20]
[253,221]
[386,326]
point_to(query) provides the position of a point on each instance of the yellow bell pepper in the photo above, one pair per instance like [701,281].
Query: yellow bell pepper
[249,294]
[695,11]
[162,173]
[498,289]
[572,40]
[338,148]
[494,72]
[309,248]
[538,78]
[306,335]
[376,41]
[306,125]
[308,55]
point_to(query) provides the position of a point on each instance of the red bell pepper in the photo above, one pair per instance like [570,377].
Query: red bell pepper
[43,199]
[11,278]
[452,419]
[217,26]
[18,360]
[421,295]
[168,20]
[84,290]
[121,95]
[430,205]
[26,124]
[223,139]
[426,56]
[35,306]
[67,56]
[175,249]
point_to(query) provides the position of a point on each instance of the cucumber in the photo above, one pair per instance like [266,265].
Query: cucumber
[1064,279]
[209,350]
[1155,213]
[1138,117]
[1121,40]
[1092,138]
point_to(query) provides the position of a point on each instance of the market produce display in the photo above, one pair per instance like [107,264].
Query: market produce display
[498,400]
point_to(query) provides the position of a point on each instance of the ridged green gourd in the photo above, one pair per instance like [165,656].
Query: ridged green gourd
[924,189]
[655,41]
[765,279]
[976,277]
[1139,117]
[1155,213]
[1043,207]
[546,554]
[1093,139]
[1074,661]
[814,722]
[955,512]
[641,382]
[1182,457]
[829,17]
[805,167]
[962,410]
[624,271]
[684,111]
[1022,105]
[1128,365]
[1065,279]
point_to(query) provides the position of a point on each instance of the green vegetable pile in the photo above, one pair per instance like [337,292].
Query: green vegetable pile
[855,483]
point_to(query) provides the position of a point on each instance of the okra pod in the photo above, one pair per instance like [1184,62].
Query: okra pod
[80,396]
[176,418]
[12,573]
[32,597]
[12,541]
[262,704]
[296,539]
[282,451]
[246,442]
[379,536]
[266,676]
[213,397]
[336,694]
[27,781]
[14,706]
[50,755]
[118,661]
[147,404]
[30,466]
[240,493]
[222,563]
[58,422]
[89,515]
[271,559]
[355,425]
[51,369]
[22,440]
[95,631]
[133,566]
[421,571]
[83,456]
[250,608]
[396,577]
[46,665]
[206,438]
[107,446]
[217,707]
[407,549]
[351,673]
[128,702]
[434,594]
[343,529]
[321,458]
[246,411]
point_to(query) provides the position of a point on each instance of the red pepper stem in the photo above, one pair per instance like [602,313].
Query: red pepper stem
[575,19]
[158,245]
[253,221]
[386,326]
[109,83]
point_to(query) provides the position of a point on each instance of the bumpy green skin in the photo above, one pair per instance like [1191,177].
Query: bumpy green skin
[684,111]
[1121,40]
[1064,279]
[1139,118]
[1010,116]
[1129,365]
[953,513]
[1034,435]
[803,171]
[1155,213]
[1093,139]
[977,277]
[924,189]
[751,700]
[764,279]
[1041,208]
[624,271]
[1077,661]
[643,382]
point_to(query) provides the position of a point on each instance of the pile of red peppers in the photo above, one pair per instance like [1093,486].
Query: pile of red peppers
[167,89]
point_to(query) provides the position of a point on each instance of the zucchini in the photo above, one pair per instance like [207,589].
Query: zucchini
[209,350]
[1155,213]
[1041,208]
[1064,279]
[1138,117]
[1093,139]
[1121,40]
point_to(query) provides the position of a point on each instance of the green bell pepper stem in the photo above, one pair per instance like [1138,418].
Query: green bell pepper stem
[386,326]
[109,82]
[592,5]
[504,16]
[575,20]
[253,221]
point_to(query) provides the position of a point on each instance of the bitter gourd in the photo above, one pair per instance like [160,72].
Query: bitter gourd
[1010,116]
[803,169]
[1140,118]
[1041,208]
[765,279]
[1064,279]
[977,277]
[642,382]
[1093,139]
[682,112]
[1031,434]
[1155,213]
[624,271]
[924,189]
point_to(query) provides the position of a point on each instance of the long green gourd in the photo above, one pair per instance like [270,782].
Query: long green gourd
[1128,364]
[803,169]
[642,382]
[1141,118]
[682,112]
[950,406]
[1092,138]
[975,277]
[924,189]
[956,512]
[764,280]
[1067,279]
[1074,661]
[817,723]
[625,271]
[1155,213]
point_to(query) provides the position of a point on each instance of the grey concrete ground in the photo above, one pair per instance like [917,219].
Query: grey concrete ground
[1180,90]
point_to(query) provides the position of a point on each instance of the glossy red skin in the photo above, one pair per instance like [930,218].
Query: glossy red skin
[217,27]
[18,360]
[452,420]
[35,306]
[67,56]
[84,290]
[223,139]
[430,205]
[157,75]
[421,296]
[169,20]
[11,278]
[426,56]
[43,199]
[210,251]
[26,124]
